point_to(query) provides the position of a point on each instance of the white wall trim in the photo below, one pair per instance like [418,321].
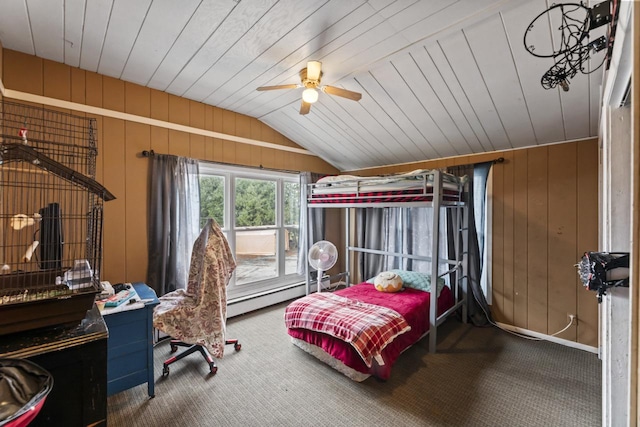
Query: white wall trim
[52,102]
[619,73]
[239,306]
[545,337]
[485,154]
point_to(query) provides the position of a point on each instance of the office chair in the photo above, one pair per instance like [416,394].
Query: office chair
[196,317]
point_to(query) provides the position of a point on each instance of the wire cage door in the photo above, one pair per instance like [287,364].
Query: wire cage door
[51,214]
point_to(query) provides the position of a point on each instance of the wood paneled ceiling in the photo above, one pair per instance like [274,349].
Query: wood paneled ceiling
[438,78]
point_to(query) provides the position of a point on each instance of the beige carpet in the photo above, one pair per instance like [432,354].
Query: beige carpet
[479,377]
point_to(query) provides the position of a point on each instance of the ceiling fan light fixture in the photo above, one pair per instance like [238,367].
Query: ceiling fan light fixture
[310,80]
[310,95]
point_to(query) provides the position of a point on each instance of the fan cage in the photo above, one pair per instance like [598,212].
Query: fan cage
[50,222]
[319,252]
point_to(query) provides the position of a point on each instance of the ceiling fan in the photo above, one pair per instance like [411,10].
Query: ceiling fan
[310,80]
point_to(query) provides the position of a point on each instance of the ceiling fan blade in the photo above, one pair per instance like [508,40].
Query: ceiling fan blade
[332,90]
[305,107]
[291,86]
[314,68]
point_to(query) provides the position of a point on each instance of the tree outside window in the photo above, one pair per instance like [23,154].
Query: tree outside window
[211,199]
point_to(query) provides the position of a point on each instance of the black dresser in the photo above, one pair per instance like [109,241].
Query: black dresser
[76,357]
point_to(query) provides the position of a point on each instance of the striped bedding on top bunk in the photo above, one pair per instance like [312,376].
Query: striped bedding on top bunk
[416,186]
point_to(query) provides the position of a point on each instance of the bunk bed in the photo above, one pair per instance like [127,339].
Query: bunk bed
[422,188]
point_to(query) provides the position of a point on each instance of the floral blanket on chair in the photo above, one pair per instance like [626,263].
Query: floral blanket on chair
[198,314]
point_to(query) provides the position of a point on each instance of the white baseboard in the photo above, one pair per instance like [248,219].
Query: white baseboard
[245,305]
[556,340]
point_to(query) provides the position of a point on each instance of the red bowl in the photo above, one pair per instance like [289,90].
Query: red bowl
[33,381]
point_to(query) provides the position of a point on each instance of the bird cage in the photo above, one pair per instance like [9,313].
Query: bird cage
[51,210]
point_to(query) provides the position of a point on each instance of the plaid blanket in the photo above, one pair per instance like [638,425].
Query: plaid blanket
[367,327]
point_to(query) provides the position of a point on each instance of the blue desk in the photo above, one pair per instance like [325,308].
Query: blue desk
[130,345]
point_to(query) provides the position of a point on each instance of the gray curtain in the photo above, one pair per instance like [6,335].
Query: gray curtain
[477,307]
[401,230]
[410,231]
[313,223]
[174,210]
[371,234]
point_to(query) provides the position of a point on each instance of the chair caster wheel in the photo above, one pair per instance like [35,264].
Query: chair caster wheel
[174,348]
[213,368]
[237,346]
[165,371]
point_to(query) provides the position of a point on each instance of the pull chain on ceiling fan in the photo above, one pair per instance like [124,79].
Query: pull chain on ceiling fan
[310,80]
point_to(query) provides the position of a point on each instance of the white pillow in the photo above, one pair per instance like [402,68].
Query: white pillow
[388,281]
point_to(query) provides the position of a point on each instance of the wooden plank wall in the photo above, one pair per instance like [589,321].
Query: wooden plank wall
[122,170]
[1,56]
[545,216]
[544,198]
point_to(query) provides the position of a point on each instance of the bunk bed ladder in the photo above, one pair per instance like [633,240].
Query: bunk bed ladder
[347,253]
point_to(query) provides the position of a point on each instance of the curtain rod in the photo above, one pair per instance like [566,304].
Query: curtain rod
[151,153]
[494,161]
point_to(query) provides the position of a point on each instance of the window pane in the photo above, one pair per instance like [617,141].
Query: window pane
[256,255]
[291,250]
[211,199]
[291,221]
[291,203]
[255,202]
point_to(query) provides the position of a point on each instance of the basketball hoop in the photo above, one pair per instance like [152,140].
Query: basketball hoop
[569,44]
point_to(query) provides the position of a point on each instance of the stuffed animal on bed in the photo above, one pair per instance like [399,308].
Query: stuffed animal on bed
[388,281]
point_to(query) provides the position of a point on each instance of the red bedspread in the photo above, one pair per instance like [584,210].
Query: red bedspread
[411,304]
[368,328]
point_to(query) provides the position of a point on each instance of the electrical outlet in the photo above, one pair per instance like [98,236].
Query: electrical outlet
[573,319]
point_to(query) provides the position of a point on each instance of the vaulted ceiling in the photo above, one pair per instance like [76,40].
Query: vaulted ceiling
[438,78]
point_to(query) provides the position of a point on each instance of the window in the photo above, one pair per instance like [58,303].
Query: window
[259,213]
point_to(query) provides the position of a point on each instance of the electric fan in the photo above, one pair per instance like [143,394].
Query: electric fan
[322,256]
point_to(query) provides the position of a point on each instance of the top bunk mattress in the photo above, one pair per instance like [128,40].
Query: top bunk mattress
[416,186]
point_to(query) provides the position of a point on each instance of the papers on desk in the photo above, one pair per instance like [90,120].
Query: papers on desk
[124,300]
[125,306]
[131,301]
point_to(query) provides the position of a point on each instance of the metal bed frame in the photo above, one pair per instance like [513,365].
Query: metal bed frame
[434,188]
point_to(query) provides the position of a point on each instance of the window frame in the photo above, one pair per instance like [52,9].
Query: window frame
[230,174]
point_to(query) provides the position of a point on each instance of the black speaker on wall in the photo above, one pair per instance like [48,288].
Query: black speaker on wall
[51,237]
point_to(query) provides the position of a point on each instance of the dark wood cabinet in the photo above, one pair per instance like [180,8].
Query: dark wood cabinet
[76,357]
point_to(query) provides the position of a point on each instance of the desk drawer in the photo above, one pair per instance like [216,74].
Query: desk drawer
[127,319]
[127,326]
[126,363]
